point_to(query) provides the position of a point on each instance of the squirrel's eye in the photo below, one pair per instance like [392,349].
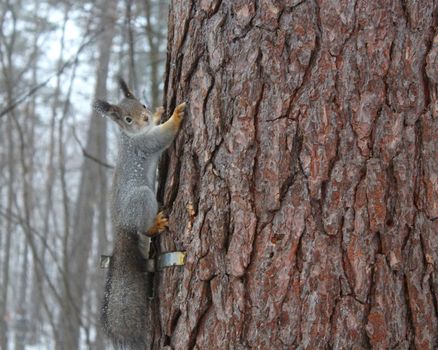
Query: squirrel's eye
[144,106]
[128,120]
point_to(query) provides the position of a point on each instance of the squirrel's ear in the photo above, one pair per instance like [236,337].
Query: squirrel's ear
[108,109]
[124,87]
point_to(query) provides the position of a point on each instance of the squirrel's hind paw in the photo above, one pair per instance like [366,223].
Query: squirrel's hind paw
[161,223]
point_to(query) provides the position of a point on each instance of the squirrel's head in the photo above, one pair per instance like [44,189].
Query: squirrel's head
[130,114]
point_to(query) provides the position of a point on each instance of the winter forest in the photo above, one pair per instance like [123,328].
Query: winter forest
[57,155]
[300,183]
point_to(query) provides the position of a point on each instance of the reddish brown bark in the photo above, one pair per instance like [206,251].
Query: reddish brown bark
[304,182]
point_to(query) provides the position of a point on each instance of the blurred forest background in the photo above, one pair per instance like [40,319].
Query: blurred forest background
[56,157]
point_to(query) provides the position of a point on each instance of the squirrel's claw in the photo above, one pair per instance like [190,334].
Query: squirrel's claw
[175,120]
[161,224]
[179,110]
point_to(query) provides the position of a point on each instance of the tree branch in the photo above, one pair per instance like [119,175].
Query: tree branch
[88,155]
[37,87]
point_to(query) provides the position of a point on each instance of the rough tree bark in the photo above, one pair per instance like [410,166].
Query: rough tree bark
[304,182]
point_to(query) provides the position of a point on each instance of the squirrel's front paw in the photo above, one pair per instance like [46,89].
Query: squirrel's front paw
[175,120]
[157,114]
[178,113]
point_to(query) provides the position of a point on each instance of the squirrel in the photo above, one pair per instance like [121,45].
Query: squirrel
[134,213]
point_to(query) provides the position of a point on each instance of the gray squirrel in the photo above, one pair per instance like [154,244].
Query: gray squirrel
[134,213]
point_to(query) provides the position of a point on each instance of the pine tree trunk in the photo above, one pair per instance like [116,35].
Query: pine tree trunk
[304,182]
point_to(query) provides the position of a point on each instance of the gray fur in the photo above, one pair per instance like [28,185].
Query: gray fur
[134,203]
[124,305]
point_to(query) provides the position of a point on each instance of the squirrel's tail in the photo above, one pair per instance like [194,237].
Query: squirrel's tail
[124,306]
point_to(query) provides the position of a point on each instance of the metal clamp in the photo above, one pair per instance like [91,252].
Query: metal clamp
[170,259]
[105,261]
[164,260]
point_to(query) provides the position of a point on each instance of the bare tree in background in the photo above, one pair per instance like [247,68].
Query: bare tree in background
[303,185]
[38,302]
[155,39]
[26,143]
[8,75]
[151,65]
[79,245]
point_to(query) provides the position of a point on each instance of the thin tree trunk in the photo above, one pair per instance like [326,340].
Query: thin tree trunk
[21,321]
[80,245]
[132,74]
[7,70]
[303,182]
[26,132]
[4,317]
[153,53]
[36,318]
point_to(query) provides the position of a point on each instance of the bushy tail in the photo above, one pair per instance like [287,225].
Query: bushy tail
[124,305]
